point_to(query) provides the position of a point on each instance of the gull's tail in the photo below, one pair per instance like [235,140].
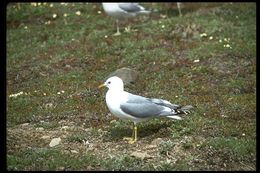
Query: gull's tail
[185,109]
[172,110]
[180,110]
[133,8]
[144,12]
[148,11]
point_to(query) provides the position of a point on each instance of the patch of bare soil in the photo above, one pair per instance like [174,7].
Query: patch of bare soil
[100,143]
[154,149]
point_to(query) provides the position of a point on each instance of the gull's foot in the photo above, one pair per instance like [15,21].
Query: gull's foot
[130,140]
[127,29]
[127,138]
[117,34]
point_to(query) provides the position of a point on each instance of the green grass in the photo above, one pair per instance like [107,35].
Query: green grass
[58,63]
[77,138]
[240,149]
[165,146]
[49,159]
[47,125]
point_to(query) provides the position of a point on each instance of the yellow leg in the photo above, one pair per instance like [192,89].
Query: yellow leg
[133,139]
[135,129]
[117,33]
[117,29]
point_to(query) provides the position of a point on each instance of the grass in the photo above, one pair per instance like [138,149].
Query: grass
[58,62]
[48,159]
[238,147]
[47,125]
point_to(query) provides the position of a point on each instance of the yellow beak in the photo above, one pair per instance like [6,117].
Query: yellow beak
[102,85]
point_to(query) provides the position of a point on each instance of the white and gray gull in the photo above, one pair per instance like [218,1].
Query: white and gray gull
[123,11]
[125,105]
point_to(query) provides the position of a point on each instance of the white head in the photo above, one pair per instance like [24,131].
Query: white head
[114,83]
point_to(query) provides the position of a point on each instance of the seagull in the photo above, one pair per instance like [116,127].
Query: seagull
[123,10]
[127,106]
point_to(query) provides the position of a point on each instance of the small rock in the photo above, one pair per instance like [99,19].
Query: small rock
[224,116]
[65,128]
[184,34]
[45,137]
[90,148]
[157,141]
[126,74]
[39,128]
[61,168]
[85,142]
[74,151]
[48,105]
[89,168]
[64,136]
[25,124]
[140,155]
[55,142]
[196,161]
[112,121]
[88,129]
[71,123]
[150,146]
[68,66]
[168,160]
[62,121]
[196,60]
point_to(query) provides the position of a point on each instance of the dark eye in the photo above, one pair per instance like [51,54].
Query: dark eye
[109,82]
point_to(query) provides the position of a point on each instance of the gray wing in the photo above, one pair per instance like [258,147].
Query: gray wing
[130,7]
[142,107]
[175,108]
[164,103]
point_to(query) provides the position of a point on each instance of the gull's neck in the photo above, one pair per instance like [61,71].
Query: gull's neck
[114,95]
[116,89]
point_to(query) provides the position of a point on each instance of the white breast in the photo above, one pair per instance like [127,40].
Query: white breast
[113,100]
[114,10]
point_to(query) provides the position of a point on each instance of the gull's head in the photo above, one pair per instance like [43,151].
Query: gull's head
[113,83]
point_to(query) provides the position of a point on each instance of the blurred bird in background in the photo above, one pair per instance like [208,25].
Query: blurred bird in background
[123,11]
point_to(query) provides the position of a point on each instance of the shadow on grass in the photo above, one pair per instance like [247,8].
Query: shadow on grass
[145,130]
